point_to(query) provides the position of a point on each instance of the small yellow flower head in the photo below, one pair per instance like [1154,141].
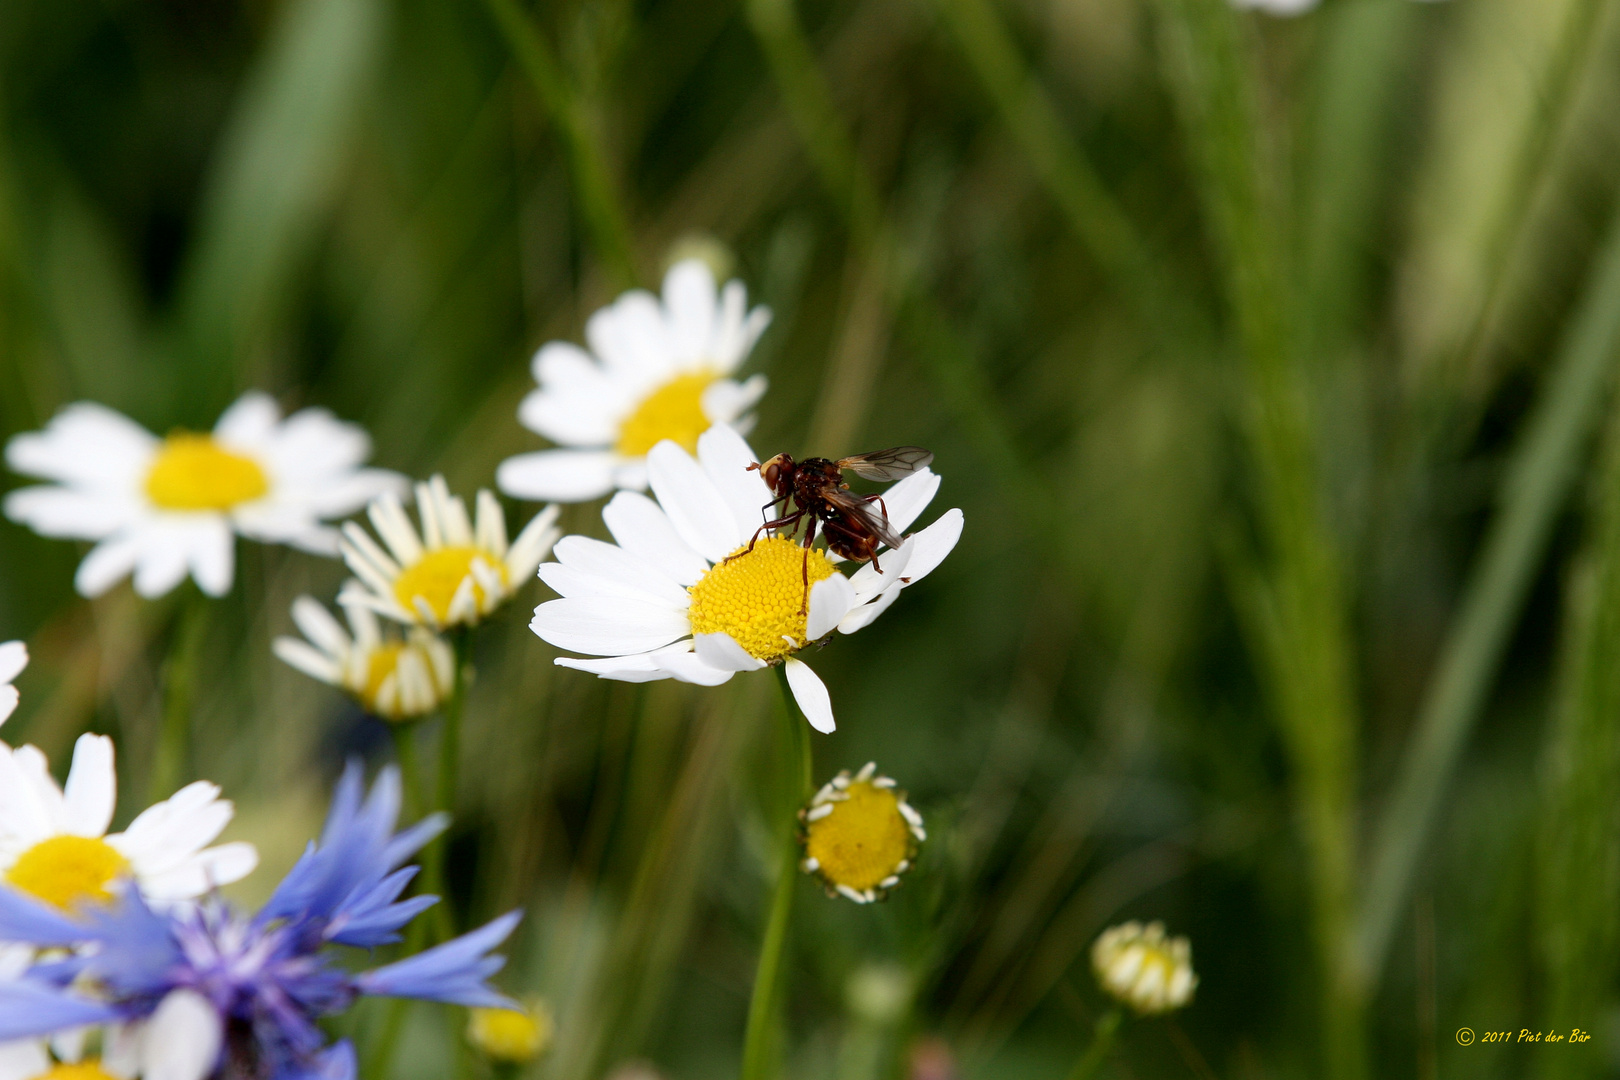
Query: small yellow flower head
[514,1036]
[860,835]
[1144,969]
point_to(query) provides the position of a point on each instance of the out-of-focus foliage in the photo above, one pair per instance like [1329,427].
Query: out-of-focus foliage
[1267,359]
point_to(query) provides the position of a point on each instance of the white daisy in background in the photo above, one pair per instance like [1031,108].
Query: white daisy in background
[453,573]
[13,658]
[179,1041]
[860,835]
[166,507]
[664,602]
[54,843]
[392,677]
[1143,968]
[659,371]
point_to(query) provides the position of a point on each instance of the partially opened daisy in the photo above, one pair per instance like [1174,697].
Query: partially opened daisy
[680,597]
[164,508]
[54,844]
[396,677]
[660,370]
[453,573]
[13,658]
[860,835]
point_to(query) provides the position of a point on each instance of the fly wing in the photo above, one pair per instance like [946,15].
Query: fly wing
[889,464]
[867,514]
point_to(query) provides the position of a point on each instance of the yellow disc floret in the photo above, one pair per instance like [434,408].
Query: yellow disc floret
[382,662]
[673,411]
[66,871]
[863,841]
[88,1069]
[510,1035]
[438,574]
[759,597]
[193,472]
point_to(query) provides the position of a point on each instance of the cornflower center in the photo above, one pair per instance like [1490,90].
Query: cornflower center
[673,411]
[759,597]
[438,574]
[88,1069]
[193,472]
[863,841]
[66,871]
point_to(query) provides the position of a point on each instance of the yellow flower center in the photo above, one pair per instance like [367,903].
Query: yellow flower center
[88,1069]
[379,665]
[759,598]
[193,472]
[66,871]
[863,841]
[437,575]
[509,1035]
[673,411]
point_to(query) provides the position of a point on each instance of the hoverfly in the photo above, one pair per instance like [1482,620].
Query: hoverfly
[813,491]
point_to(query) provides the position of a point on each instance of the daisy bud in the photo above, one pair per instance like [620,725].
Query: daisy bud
[860,835]
[1144,969]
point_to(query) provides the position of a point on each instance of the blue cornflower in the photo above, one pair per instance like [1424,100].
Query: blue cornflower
[208,990]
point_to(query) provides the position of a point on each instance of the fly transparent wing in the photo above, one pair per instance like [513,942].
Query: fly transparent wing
[867,514]
[889,464]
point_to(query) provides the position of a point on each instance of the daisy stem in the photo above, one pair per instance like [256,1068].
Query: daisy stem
[170,759]
[444,796]
[758,1044]
[1102,1041]
[409,769]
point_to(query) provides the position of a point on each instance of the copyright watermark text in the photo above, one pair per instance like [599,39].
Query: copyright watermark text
[1467,1036]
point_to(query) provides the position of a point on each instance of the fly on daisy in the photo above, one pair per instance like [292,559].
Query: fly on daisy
[454,572]
[657,369]
[164,508]
[392,676]
[54,844]
[678,597]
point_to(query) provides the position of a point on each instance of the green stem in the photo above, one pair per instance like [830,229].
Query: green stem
[444,790]
[1101,1042]
[762,1005]
[410,769]
[171,761]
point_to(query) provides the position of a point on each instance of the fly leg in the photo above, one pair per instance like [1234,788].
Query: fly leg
[779,523]
[809,538]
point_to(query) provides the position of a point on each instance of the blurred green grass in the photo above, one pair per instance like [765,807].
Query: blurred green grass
[1198,312]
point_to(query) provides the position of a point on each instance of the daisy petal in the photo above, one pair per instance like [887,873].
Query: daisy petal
[557,475]
[688,667]
[862,616]
[92,788]
[932,545]
[644,530]
[700,513]
[830,600]
[621,668]
[811,694]
[13,658]
[108,563]
[8,702]
[726,458]
[910,497]
[721,651]
[182,1039]
[608,625]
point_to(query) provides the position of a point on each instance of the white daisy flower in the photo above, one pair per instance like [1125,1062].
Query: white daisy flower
[166,507]
[664,602]
[396,679]
[659,371]
[452,574]
[54,843]
[1143,968]
[13,658]
[860,835]
[179,1041]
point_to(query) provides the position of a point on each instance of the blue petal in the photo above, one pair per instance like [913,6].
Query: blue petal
[29,1009]
[23,918]
[455,973]
[371,918]
[336,1062]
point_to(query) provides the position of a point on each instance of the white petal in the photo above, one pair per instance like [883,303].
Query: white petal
[13,658]
[8,702]
[202,872]
[811,694]
[312,662]
[108,563]
[85,444]
[250,421]
[608,626]
[869,581]
[182,1039]
[92,787]
[907,500]
[618,571]
[932,545]
[639,668]
[689,309]
[557,475]
[629,338]
[72,512]
[571,418]
[726,457]
[644,530]
[688,667]
[213,558]
[721,651]
[23,1059]
[697,509]
[320,627]
[830,600]
[725,401]
[533,543]
[862,616]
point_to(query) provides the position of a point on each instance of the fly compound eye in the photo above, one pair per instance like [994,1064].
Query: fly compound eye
[772,472]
